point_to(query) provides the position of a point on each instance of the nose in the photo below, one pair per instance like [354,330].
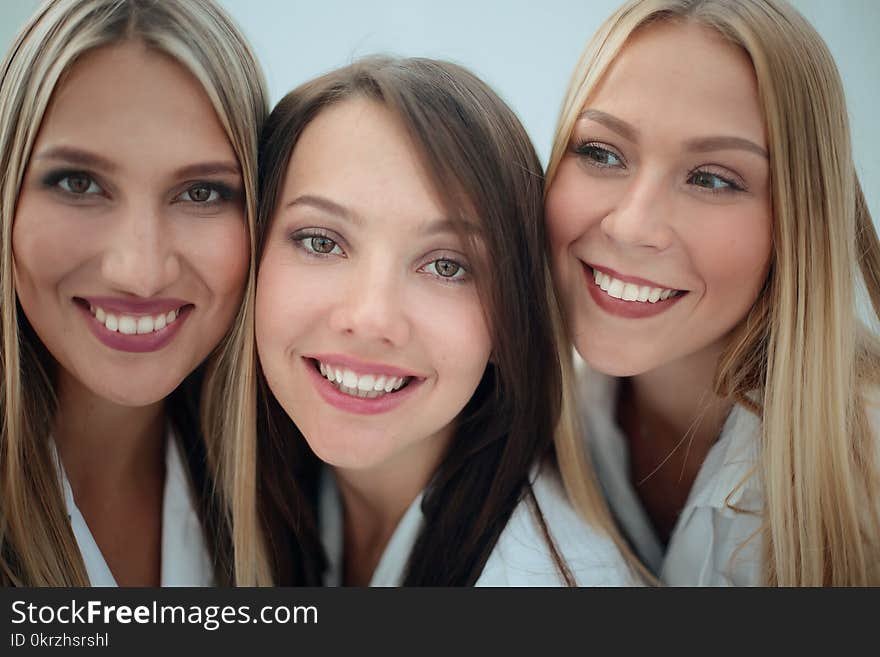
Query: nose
[372,308]
[641,217]
[141,258]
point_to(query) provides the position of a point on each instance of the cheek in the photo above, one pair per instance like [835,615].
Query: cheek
[453,329]
[44,247]
[734,258]
[220,251]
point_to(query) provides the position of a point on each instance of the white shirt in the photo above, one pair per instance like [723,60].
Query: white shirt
[709,545]
[185,557]
[521,556]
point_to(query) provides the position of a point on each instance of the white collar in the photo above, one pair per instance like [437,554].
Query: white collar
[185,557]
[724,479]
[392,565]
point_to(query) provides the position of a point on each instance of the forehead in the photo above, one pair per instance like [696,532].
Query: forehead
[682,76]
[358,152]
[127,98]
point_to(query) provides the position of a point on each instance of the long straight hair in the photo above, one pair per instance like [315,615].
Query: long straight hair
[802,349]
[37,547]
[486,173]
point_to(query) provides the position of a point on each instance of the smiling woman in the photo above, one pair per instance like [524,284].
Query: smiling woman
[708,236]
[127,207]
[411,390]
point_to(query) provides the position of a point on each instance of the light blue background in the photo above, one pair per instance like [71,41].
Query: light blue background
[526,50]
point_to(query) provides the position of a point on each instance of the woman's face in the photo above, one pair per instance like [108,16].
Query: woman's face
[129,239]
[369,327]
[660,212]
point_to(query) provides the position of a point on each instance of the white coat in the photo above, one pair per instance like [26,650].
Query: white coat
[521,556]
[716,540]
[185,557]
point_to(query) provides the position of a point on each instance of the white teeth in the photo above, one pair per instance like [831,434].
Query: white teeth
[365,385]
[130,325]
[629,291]
[616,288]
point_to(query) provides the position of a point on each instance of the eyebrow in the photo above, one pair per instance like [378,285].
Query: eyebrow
[706,144]
[77,157]
[619,126]
[696,145]
[325,205]
[83,158]
[435,227]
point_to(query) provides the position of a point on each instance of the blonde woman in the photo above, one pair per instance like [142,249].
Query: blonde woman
[709,237]
[128,138]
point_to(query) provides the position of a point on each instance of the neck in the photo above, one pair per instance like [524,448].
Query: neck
[680,397]
[103,444]
[375,499]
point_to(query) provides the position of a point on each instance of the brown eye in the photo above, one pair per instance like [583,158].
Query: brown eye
[79,184]
[201,193]
[322,244]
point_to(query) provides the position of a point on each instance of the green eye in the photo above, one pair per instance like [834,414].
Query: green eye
[320,244]
[708,180]
[599,156]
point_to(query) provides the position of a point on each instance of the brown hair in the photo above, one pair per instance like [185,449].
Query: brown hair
[487,175]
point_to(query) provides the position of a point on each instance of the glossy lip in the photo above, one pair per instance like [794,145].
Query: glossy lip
[360,405]
[635,280]
[137,343]
[627,309]
[361,366]
[136,307]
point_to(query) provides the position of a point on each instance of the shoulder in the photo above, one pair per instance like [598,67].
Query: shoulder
[522,557]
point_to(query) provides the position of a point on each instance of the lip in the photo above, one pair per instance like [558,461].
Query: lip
[626,309]
[136,307]
[362,366]
[360,405]
[137,343]
[635,280]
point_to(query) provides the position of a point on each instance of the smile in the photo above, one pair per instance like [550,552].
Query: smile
[627,296]
[367,386]
[131,325]
[614,287]
[357,387]
[134,326]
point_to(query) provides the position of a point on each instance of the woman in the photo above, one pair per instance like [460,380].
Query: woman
[128,137]
[410,386]
[708,237]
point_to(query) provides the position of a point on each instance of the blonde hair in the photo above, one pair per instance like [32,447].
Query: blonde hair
[809,359]
[37,546]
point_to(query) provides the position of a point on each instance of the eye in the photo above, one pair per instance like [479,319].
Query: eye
[205,193]
[598,155]
[445,268]
[77,183]
[316,244]
[713,182]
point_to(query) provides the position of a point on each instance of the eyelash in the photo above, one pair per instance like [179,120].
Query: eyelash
[302,239]
[587,150]
[55,181]
[731,186]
